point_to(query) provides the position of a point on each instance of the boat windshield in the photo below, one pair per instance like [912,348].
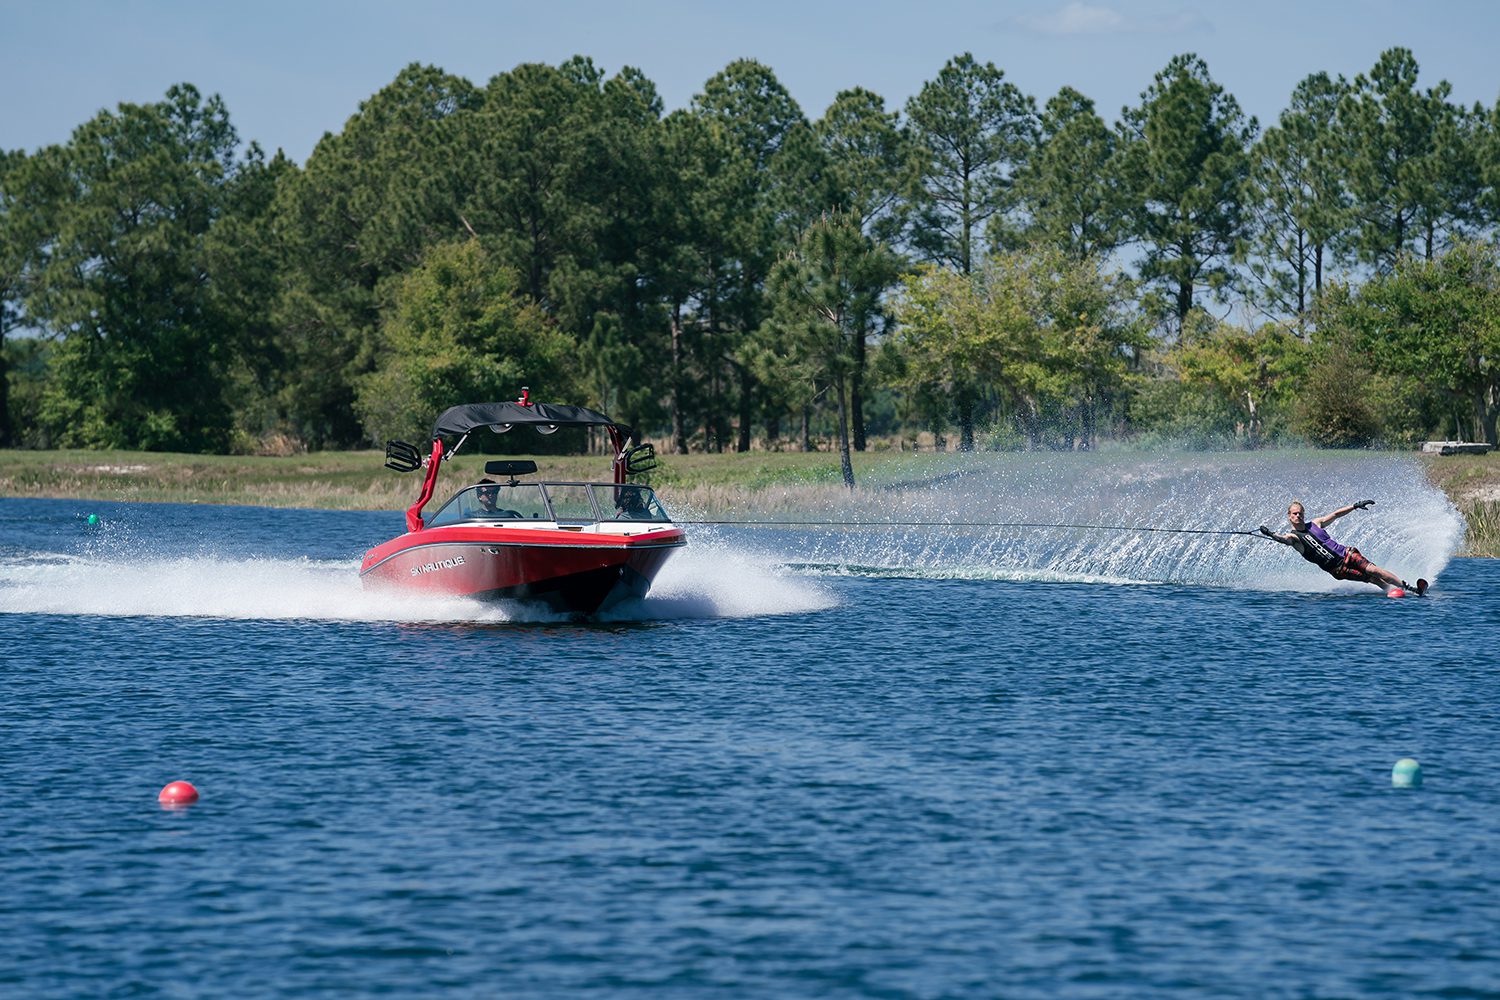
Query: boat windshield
[571,502]
[493,502]
[567,502]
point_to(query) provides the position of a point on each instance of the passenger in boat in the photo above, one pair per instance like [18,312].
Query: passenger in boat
[1342,562]
[631,505]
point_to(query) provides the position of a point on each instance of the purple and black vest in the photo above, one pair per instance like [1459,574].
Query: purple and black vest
[1316,546]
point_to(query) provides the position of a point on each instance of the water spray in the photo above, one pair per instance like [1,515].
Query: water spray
[1168,518]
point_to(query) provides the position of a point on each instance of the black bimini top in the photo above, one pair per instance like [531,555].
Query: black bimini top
[500,417]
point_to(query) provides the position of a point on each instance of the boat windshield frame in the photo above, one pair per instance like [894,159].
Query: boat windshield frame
[627,502]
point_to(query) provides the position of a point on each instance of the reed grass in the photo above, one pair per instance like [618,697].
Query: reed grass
[1483,536]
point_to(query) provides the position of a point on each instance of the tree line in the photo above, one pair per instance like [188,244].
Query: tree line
[972,264]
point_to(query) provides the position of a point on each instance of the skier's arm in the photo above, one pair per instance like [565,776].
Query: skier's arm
[1328,519]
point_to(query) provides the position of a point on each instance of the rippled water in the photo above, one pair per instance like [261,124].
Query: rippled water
[905,763]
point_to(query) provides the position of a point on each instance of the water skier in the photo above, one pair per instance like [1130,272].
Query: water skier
[1342,562]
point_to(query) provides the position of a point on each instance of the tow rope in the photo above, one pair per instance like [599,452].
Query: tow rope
[978,524]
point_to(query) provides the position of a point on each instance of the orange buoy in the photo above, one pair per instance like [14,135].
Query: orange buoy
[1395,592]
[178,793]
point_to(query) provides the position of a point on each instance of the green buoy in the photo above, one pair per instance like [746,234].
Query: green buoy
[1406,774]
[93,521]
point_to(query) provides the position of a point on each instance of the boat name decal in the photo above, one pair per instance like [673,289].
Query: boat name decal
[434,566]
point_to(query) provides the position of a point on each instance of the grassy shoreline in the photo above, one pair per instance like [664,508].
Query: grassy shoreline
[705,484]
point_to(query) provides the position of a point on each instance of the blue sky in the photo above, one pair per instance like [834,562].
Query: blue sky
[289,71]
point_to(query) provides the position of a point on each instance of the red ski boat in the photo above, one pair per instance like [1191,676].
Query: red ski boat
[572,546]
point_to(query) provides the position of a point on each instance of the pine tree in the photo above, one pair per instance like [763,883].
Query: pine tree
[971,132]
[1185,163]
[1300,206]
[1069,190]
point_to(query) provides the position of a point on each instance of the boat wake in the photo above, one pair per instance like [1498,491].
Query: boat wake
[955,573]
[712,579]
[710,582]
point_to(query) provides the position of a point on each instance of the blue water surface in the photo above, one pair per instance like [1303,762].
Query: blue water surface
[775,779]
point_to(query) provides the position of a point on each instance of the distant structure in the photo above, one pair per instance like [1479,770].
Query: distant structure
[1455,447]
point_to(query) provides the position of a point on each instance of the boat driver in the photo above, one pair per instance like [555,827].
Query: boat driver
[487,493]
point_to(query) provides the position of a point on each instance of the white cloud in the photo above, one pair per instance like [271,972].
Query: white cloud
[1080,18]
[1077,19]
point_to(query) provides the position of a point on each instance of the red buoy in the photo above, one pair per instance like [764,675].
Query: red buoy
[178,793]
[1395,592]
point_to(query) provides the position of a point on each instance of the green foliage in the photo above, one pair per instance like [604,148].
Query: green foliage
[1300,206]
[1043,331]
[1487,150]
[362,211]
[945,348]
[605,283]
[1070,188]
[1174,414]
[532,150]
[768,174]
[869,161]
[461,330]
[243,264]
[1336,408]
[1436,322]
[122,270]
[16,246]
[1254,374]
[1412,162]
[970,131]
[715,271]
[869,165]
[25,362]
[1184,161]
[827,293]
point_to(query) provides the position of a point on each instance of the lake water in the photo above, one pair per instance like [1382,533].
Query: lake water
[907,762]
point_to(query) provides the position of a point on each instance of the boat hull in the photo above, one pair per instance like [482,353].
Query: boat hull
[566,571]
